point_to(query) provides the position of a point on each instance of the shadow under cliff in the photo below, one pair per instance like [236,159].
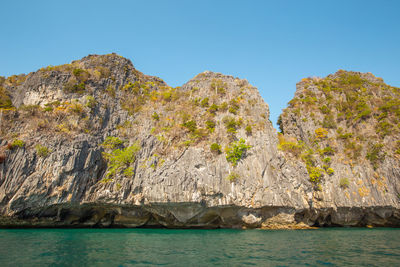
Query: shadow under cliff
[197,215]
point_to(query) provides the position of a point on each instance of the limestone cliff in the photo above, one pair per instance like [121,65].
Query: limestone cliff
[98,143]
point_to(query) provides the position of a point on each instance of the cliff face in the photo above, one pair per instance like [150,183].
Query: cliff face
[345,130]
[98,143]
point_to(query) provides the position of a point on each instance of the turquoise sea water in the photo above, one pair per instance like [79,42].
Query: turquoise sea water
[144,247]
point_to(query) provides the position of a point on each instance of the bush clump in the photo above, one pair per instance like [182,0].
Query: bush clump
[110,90]
[327,160]
[321,133]
[233,176]
[315,174]
[15,144]
[325,110]
[218,86]
[215,148]
[74,87]
[213,109]
[342,135]
[280,124]
[223,106]
[330,171]
[290,145]
[329,122]
[363,110]
[344,182]
[327,151]
[5,100]
[248,130]
[397,148]
[233,106]
[210,125]
[230,124]
[190,125]
[204,102]
[375,154]
[112,142]
[236,151]
[77,83]
[42,151]
[155,116]
[91,102]
[384,128]
[119,160]
[81,75]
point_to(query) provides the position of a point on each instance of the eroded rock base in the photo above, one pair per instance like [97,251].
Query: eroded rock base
[195,215]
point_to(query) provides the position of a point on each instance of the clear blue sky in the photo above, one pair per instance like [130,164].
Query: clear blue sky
[273,44]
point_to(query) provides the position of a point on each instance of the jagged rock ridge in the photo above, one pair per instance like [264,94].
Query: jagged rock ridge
[98,143]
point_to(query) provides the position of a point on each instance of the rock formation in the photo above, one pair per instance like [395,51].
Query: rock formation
[96,143]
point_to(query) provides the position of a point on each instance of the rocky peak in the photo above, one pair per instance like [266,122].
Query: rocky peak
[110,61]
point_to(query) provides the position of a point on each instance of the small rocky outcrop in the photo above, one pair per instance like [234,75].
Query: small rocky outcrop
[96,143]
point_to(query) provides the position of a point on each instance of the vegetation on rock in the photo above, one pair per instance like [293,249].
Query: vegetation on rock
[120,160]
[353,116]
[16,143]
[233,176]
[216,148]
[42,151]
[235,151]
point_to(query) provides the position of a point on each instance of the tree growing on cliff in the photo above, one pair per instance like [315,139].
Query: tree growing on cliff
[119,160]
[236,151]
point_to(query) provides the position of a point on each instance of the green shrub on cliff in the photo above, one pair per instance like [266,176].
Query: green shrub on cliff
[233,176]
[230,124]
[204,102]
[213,109]
[5,100]
[397,148]
[384,128]
[110,90]
[119,160]
[80,74]
[155,116]
[112,142]
[291,145]
[326,151]
[190,125]
[324,109]
[315,174]
[391,105]
[344,182]
[73,86]
[215,148]
[210,124]
[327,160]
[16,143]
[249,130]
[329,122]
[236,151]
[330,171]
[223,106]
[42,151]
[375,154]
[234,106]
[218,86]
[90,102]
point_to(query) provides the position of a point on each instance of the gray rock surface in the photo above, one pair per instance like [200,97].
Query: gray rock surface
[175,180]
